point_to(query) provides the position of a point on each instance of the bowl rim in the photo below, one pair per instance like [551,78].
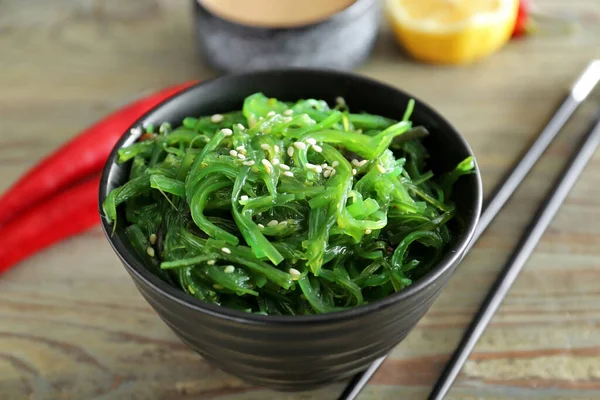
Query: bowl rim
[352,10]
[134,266]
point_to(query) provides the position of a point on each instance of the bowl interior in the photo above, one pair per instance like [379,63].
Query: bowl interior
[227,93]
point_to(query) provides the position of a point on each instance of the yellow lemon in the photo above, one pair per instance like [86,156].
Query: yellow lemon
[452,31]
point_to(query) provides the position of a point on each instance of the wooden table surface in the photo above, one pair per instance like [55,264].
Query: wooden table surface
[73,326]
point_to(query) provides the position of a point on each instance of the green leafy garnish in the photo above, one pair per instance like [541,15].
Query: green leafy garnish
[287,208]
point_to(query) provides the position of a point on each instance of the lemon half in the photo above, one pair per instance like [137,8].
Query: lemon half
[452,31]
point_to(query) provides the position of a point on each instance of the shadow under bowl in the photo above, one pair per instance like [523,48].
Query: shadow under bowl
[303,352]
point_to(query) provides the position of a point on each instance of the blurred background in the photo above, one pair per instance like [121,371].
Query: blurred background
[72,325]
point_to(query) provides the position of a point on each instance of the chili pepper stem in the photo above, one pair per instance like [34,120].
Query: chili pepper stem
[546,24]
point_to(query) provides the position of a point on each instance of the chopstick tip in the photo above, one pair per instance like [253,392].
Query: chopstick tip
[587,81]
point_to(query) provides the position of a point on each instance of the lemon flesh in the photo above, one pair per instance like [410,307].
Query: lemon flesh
[452,31]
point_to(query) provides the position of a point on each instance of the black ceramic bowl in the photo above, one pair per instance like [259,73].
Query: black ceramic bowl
[342,41]
[296,353]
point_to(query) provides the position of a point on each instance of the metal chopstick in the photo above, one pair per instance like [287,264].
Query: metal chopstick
[580,90]
[527,245]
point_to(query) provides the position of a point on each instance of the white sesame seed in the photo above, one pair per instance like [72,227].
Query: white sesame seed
[327,173]
[216,118]
[226,250]
[311,141]
[265,147]
[229,269]
[270,113]
[244,197]
[317,168]
[353,171]
[226,132]
[354,162]
[284,167]
[287,120]
[289,174]
[261,118]
[241,127]
[290,151]
[261,226]
[368,231]
[294,273]
[150,251]
[152,238]
[380,168]
[241,156]
[164,127]
[340,100]
[300,145]
[324,166]
[282,223]
[317,148]
[333,171]
[276,148]
[211,262]
[241,148]
[206,139]
[233,153]
[273,222]
[288,112]
[335,164]
[267,164]
[361,163]
[276,161]
[248,163]
[136,131]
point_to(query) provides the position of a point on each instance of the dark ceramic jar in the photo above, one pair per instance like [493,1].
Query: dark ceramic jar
[342,41]
[302,352]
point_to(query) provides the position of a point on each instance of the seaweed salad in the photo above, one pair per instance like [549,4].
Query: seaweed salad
[286,208]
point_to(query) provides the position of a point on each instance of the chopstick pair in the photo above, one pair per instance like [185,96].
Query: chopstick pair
[580,90]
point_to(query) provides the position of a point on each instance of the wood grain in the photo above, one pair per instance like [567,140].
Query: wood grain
[73,326]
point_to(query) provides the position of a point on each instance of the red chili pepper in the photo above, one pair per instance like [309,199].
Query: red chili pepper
[68,213]
[78,159]
[523,20]
[528,22]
